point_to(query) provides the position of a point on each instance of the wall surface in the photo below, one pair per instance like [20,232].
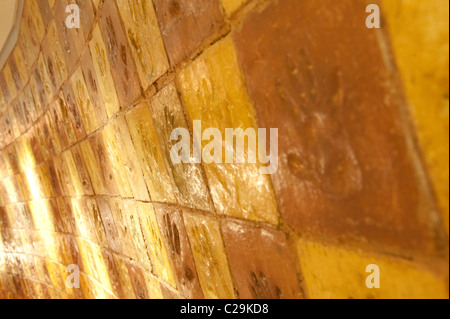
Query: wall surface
[86,176]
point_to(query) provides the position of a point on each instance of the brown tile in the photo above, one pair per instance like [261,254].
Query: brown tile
[54,56]
[184,25]
[71,110]
[138,281]
[177,242]
[119,54]
[87,15]
[15,73]
[38,92]
[72,40]
[344,159]
[46,12]
[261,264]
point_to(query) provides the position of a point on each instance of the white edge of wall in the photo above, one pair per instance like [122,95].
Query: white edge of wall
[13,35]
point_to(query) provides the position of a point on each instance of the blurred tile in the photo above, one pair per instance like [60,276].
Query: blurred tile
[261,263]
[185,25]
[338,167]
[189,184]
[176,240]
[119,54]
[144,38]
[207,245]
[214,92]
[155,243]
[147,147]
[105,82]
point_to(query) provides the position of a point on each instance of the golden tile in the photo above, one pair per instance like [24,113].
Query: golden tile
[131,216]
[213,90]
[125,234]
[124,278]
[129,159]
[92,167]
[339,273]
[118,167]
[231,6]
[57,52]
[21,66]
[189,184]
[103,72]
[83,101]
[10,81]
[415,25]
[32,9]
[210,257]
[155,243]
[144,38]
[148,151]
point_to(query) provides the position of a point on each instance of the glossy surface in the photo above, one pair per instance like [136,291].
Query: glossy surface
[86,176]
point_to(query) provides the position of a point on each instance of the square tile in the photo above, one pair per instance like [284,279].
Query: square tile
[119,54]
[210,257]
[144,38]
[261,262]
[214,92]
[188,181]
[147,147]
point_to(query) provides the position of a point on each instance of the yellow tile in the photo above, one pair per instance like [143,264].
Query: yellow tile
[145,39]
[210,258]
[57,52]
[10,81]
[30,44]
[36,95]
[134,226]
[130,160]
[85,106]
[153,287]
[333,272]
[124,233]
[92,167]
[20,62]
[148,151]
[103,72]
[419,34]
[118,167]
[46,81]
[188,181]
[42,215]
[155,242]
[124,278]
[33,11]
[232,5]
[53,133]
[73,171]
[213,90]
